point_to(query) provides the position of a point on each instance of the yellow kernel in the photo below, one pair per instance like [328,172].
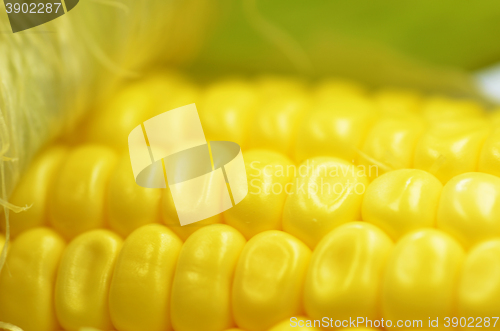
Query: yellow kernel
[79,193]
[489,159]
[401,201]
[27,280]
[201,291]
[34,190]
[479,287]
[130,205]
[171,219]
[276,123]
[139,296]
[83,280]
[268,174]
[226,110]
[268,280]
[441,109]
[390,144]
[421,277]
[451,148]
[297,323]
[178,93]
[130,106]
[327,192]
[346,271]
[469,208]
[336,129]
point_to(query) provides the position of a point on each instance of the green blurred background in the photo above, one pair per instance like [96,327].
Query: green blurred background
[429,44]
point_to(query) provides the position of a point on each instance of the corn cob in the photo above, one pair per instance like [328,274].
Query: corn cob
[206,283]
[216,279]
[388,130]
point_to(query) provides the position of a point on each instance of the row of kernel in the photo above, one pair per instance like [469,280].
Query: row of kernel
[131,206]
[391,129]
[323,193]
[467,207]
[87,188]
[227,110]
[90,187]
[81,189]
[217,280]
[151,280]
[426,275]
[444,137]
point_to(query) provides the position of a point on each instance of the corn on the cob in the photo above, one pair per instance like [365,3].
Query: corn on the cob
[345,273]
[392,265]
[262,209]
[356,270]
[225,110]
[36,187]
[27,281]
[277,118]
[469,208]
[421,277]
[332,196]
[129,205]
[479,288]
[489,159]
[390,144]
[335,128]
[451,148]
[139,296]
[261,297]
[83,279]
[203,278]
[78,200]
[402,201]
[387,132]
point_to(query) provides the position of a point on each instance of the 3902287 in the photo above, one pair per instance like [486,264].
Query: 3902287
[470,322]
[33,8]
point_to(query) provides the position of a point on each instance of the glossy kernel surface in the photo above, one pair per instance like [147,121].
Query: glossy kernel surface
[469,208]
[401,201]
[268,281]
